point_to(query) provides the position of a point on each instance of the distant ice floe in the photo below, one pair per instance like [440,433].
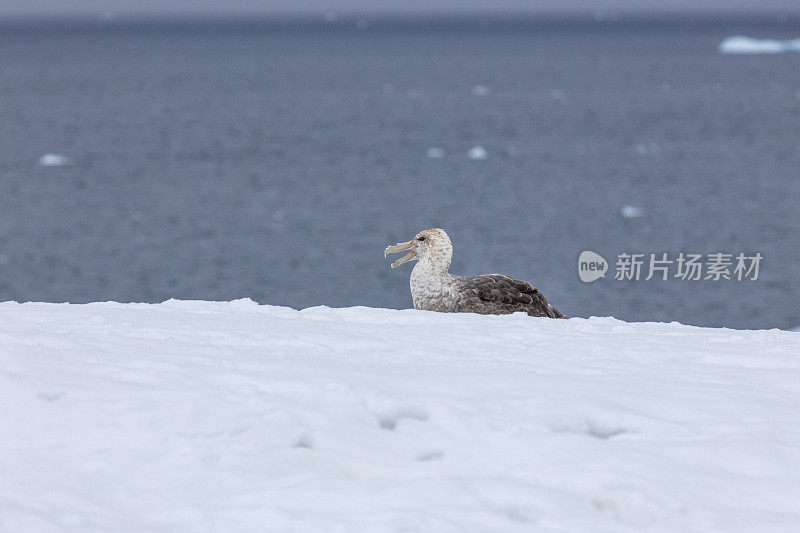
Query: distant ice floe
[480,90]
[435,153]
[477,152]
[53,160]
[739,44]
[644,149]
[629,211]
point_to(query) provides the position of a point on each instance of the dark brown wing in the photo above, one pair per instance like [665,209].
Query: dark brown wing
[498,294]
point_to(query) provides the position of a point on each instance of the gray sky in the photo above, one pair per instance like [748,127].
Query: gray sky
[242,7]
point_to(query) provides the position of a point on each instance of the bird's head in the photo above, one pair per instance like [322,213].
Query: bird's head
[430,245]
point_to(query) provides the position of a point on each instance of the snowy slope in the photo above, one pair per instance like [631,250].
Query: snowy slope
[200,416]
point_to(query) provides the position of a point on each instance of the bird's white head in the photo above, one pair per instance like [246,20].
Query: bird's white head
[430,246]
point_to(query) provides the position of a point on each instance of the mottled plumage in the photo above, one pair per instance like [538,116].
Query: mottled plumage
[498,294]
[433,288]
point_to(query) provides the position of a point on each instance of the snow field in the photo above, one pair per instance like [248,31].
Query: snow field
[215,416]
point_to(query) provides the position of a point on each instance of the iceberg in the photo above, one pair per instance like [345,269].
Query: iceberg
[477,153]
[629,211]
[480,90]
[739,44]
[53,160]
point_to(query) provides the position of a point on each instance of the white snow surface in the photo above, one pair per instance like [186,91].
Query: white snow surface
[201,416]
[740,44]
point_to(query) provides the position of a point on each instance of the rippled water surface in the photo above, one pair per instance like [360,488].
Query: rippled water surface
[277,161]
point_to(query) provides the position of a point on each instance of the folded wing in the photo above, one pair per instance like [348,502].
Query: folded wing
[497,294]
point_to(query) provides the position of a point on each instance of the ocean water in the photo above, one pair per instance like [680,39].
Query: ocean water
[275,160]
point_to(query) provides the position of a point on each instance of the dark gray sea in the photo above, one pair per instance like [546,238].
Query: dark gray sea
[276,159]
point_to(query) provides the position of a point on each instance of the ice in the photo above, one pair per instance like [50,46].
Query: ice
[740,44]
[53,160]
[234,416]
[629,211]
[480,90]
[477,152]
[435,153]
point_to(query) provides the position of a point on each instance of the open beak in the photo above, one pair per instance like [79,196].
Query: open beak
[401,247]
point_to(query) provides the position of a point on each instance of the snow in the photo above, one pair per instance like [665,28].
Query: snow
[204,416]
[739,44]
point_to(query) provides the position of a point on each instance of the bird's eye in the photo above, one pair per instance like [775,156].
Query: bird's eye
[420,239]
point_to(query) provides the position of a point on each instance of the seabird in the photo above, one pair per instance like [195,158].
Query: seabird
[433,288]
